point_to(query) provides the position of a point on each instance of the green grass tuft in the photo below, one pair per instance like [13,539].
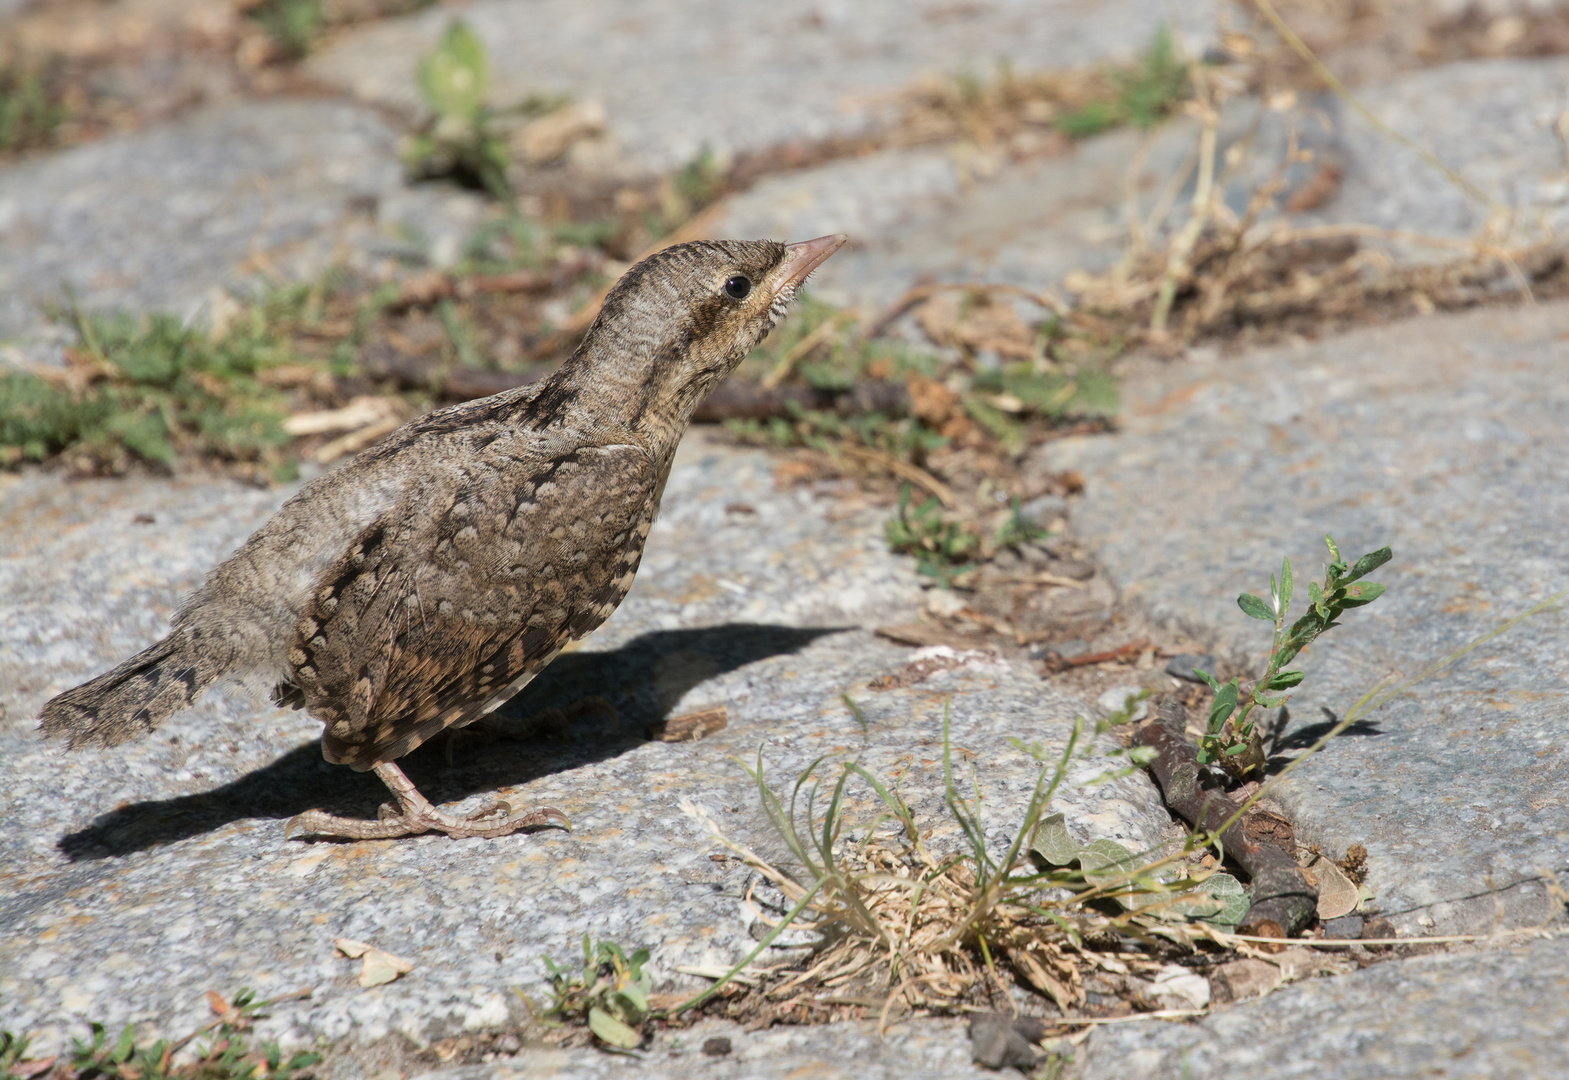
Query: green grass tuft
[30,114]
[154,388]
[1145,93]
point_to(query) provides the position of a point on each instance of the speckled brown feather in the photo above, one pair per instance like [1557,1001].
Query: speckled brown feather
[523,559]
[427,581]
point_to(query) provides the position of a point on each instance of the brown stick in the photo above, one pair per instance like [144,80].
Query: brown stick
[1261,843]
[739,399]
[422,290]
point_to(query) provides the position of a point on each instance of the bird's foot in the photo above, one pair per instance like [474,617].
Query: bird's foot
[415,815]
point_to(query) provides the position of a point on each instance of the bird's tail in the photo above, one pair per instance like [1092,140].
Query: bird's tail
[132,699]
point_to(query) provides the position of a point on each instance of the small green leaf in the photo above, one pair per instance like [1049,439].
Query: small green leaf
[860,720]
[1285,585]
[1104,862]
[122,1048]
[1264,701]
[1284,680]
[1315,594]
[1255,608]
[1304,629]
[1233,898]
[1107,854]
[1367,564]
[454,77]
[1051,843]
[611,1030]
[1364,593]
[1209,680]
[629,1004]
[1224,705]
[1334,552]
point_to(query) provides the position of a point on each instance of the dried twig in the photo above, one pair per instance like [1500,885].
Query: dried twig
[904,470]
[1283,901]
[821,333]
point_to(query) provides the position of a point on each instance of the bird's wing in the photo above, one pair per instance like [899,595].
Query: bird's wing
[432,619]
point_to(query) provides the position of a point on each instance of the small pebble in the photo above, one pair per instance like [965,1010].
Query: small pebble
[1347,926]
[1182,666]
[997,1044]
[1071,647]
[718,1046]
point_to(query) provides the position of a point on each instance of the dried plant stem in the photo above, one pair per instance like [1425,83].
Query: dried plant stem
[1177,268]
[1224,938]
[904,471]
[1283,901]
[1267,9]
[786,364]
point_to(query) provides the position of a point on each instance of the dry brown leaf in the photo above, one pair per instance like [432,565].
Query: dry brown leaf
[221,1008]
[1337,894]
[377,967]
[357,440]
[550,136]
[930,400]
[350,948]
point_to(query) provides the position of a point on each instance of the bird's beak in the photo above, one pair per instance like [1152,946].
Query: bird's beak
[801,259]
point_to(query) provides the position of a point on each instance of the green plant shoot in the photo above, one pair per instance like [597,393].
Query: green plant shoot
[610,992]
[1230,738]
[942,549]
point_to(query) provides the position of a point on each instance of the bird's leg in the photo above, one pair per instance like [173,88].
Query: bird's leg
[415,815]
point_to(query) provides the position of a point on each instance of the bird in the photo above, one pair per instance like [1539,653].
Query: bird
[427,581]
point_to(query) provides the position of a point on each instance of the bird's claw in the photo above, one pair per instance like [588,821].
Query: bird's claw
[389,826]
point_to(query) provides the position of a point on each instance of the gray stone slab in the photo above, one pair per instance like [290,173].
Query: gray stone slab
[1492,121]
[949,214]
[953,213]
[921,1050]
[1443,438]
[679,76]
[137,878]
[914,214]
[1497,1014]
[158,219]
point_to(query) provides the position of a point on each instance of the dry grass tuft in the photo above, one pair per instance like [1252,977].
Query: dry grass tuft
[903,927]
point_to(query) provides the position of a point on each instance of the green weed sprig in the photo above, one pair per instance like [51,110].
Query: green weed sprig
[1230,733]
[610,992]
[943,549]
[460,140]
[225,1052]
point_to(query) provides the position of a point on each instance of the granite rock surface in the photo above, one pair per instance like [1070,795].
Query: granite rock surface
[735,78]
[922,1050]
[136,878]
[955,214]
[1495,1014]
[229,197]
[1439,437]
[1492,121]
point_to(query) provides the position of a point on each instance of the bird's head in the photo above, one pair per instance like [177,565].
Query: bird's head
[681,320]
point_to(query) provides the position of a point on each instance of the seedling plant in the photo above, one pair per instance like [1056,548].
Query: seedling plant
[1230,738]
[610,992]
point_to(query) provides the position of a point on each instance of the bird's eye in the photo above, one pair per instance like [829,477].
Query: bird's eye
[738,287]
